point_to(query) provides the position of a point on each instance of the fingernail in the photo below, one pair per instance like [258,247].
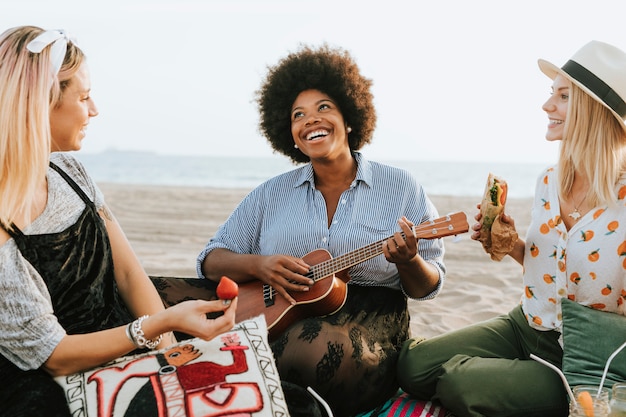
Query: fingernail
[226,302]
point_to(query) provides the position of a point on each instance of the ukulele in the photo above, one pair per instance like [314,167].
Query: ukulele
[330,275]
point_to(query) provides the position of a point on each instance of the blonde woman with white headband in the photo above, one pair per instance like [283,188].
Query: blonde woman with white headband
[73,295]
[573,255]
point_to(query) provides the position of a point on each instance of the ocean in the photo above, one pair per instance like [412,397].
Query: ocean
[437,177]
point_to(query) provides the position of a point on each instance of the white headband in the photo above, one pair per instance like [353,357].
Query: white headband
[58,39]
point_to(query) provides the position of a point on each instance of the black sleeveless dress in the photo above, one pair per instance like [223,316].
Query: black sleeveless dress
[77,267]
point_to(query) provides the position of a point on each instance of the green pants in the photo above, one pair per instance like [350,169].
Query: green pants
[485,369]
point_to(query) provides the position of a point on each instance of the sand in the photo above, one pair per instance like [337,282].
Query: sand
[168,226]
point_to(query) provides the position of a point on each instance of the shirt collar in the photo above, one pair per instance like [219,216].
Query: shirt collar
[363,172]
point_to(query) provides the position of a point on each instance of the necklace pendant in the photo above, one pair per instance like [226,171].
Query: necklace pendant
[574,215]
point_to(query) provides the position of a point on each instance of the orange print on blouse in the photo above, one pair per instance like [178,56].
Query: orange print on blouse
[621,251]
[534,250]
[537,320]
[594,256]
[575,278]
[549,279]
[529,292]
[622,192]
[546,204]
[586,235]
[612,227]
[606,290]
[597,213]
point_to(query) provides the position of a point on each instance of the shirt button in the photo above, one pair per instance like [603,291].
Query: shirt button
[562,292]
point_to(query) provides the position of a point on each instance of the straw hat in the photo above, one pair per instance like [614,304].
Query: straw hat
[600,70]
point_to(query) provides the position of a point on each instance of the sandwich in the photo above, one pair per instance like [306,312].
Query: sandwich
[497,238]
[494,199]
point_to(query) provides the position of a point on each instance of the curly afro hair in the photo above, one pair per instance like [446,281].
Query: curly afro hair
[329,70]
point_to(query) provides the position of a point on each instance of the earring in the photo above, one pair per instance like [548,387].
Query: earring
[295,146]
[349,129]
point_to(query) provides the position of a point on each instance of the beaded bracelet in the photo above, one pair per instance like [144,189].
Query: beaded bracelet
[135,334]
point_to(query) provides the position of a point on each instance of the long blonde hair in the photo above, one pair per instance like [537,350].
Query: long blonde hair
[28,91]
[594,145]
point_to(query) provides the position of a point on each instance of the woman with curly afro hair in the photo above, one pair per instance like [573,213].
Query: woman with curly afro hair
[317,109]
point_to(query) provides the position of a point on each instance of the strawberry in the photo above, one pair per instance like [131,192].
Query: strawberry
[227,289]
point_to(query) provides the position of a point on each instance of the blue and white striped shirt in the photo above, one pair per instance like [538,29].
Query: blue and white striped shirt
[287,215]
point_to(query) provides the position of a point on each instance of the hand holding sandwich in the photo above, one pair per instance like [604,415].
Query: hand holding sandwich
[497,236]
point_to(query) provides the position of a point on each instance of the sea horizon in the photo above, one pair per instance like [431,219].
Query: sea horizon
[452,178]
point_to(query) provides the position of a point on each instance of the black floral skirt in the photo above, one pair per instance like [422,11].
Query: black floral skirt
[349,357]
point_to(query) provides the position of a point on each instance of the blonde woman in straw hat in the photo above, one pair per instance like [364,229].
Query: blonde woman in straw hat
[64,307]
[486,369]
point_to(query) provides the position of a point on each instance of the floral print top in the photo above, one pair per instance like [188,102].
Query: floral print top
[586,264]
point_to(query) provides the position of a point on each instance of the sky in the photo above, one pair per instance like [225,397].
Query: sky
[453,80]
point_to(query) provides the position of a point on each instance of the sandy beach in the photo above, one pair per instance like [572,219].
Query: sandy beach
[169,226]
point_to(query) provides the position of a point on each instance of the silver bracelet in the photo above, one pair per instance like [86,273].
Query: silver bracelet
[136,335]
[129,334]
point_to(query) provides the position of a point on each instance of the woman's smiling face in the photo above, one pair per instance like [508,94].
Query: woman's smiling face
[556,107]
[317,125]
[70,117]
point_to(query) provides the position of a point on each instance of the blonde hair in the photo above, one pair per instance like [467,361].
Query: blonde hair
[28,90]
[593,145]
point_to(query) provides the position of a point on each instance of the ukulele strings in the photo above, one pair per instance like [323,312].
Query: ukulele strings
[331,266]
